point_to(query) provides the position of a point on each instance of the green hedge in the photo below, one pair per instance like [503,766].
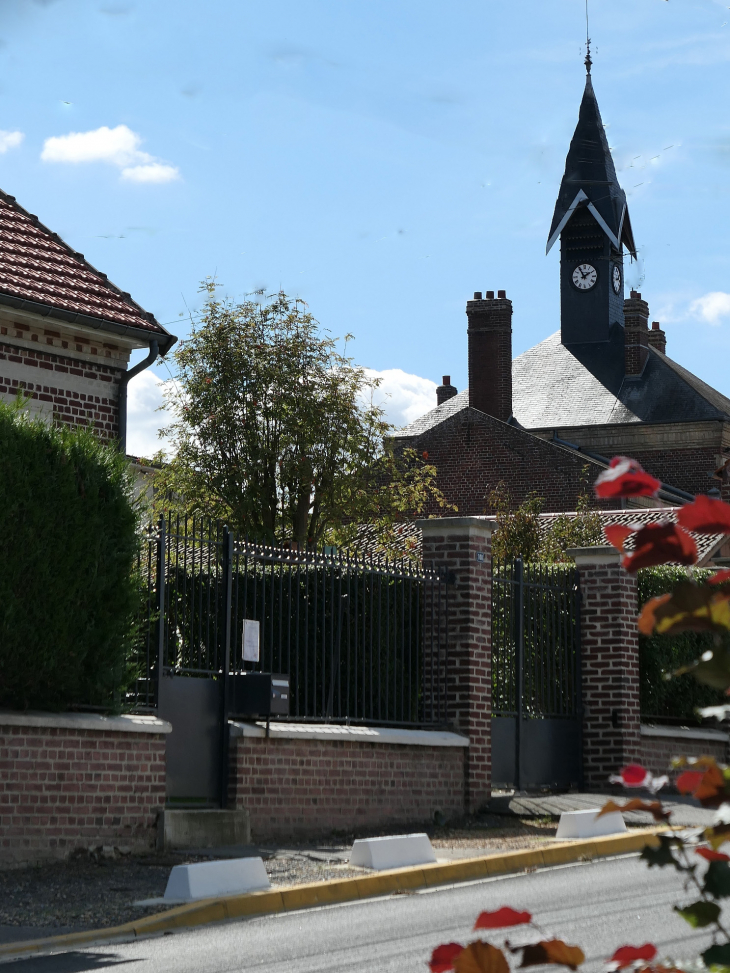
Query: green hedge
[660,654]
[68,548]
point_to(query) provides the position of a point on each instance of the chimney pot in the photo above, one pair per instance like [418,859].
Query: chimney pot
[502,294]
[477,297]
[447,380]
[654,325]
[490,295]
[445,391]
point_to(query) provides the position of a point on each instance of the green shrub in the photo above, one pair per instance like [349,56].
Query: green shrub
[68,548]
[662,654]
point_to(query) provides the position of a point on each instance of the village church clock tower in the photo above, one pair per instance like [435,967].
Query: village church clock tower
[592,221]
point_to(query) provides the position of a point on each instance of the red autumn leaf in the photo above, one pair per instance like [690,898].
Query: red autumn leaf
[636,804]
[711,792]
[552,951]
[626,955]
[425,454]
[689,781]
[658,544]
[626,478]
[481,957]
[710,855]
[633,775]
[616,535]
[721,577]
[706,516]
[647,618]
[442,958]
[501,918]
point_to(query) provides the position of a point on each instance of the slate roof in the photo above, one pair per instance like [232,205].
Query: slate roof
[554,387]
[708,545]
[590,176]
[41,273]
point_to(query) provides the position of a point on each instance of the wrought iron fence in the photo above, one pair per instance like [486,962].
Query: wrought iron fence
[535,640]
[362,640]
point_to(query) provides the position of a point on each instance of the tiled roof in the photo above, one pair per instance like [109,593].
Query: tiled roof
[707,544]
[36,266]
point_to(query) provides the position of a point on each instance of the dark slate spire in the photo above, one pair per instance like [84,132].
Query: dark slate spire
[590,177]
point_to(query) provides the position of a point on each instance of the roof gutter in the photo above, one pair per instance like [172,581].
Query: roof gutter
[670,492]
[123,383]
[164,339]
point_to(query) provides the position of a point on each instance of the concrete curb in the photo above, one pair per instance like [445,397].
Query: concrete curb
[344,890]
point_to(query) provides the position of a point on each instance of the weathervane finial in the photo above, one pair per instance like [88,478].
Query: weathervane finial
[589,59]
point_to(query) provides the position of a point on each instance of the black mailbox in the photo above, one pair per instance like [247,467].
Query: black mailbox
[259,694]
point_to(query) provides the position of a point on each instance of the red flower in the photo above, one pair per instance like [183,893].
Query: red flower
[626,478]
[720,578]
[501,918]
[658,544]
[626,955]
[706,515]
[633,775]
[443,957]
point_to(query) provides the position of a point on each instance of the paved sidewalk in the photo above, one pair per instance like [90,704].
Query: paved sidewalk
[685,810]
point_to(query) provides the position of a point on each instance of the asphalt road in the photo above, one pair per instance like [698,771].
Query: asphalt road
[599,906]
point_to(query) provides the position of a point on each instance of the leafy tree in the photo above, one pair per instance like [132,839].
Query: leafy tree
[521,533]
[276,432]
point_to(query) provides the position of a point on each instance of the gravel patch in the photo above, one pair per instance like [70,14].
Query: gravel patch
[92,891]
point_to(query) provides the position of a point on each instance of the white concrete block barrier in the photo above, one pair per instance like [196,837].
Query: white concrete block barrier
[205,880]
[394,851]
[587,824]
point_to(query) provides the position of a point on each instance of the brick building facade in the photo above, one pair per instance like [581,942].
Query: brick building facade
[66,332]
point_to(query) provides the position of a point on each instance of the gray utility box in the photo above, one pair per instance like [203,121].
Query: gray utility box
[259,694]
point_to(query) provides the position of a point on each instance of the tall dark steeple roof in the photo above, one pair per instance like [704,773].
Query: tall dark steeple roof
[590,177]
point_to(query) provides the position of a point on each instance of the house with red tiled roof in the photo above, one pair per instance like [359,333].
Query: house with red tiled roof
[66,331]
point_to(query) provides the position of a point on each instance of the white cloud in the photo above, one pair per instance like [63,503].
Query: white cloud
[152,172]
[118,146]
[404,397]
[10,140]
[144,397]
[712,307]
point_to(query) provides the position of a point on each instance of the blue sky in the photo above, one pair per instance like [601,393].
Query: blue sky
[382,160]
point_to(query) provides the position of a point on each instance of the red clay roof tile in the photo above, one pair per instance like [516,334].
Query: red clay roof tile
[37,266]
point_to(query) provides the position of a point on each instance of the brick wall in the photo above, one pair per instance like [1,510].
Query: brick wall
[657,751]
[63,788]
[92,397]
[490,354]
[309,787]
[610,665]
[473,452]
[462,548]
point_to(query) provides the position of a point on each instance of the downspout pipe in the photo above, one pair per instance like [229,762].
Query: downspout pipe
[124,382]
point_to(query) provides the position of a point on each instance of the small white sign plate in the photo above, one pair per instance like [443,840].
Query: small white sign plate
[250,640]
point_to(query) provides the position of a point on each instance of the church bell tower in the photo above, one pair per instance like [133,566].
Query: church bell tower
[592,221]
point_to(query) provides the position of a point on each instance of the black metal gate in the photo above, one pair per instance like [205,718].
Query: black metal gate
[362,641]
[536,679]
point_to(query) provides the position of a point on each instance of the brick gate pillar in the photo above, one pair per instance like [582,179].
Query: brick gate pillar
[462,547]
[610,665]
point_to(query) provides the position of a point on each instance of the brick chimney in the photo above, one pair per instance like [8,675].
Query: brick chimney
[658,338]
[636,333]
[490,354]
[445,391]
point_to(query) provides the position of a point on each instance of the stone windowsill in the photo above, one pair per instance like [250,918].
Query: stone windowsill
[92,722]
[355,734]
[684,733]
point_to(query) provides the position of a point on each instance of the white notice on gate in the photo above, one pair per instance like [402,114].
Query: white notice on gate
[250,640]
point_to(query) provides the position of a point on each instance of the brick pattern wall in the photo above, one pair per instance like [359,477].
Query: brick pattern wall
[657,752]
[454,550]
[689,469]
[310,787]
[473,452]
[636,335]
[62,789]
[48,374]
[490,355]
[610,669]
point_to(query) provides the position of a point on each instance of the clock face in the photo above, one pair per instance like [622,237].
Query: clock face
[616,278]
[585,276]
